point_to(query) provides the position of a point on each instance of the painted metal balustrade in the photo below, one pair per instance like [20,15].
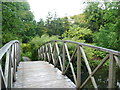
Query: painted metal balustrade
[57,52]
[9,59]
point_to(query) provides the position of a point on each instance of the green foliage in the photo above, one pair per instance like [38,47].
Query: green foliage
[99,54]
[107,37]
[89,53]
[56,26]
[37,41]
[41,29]
[79,20]
[108,32]
[93,16]
[17,21]
[27,54]
[78,33]
[25,47]
[98,24]
[26,50]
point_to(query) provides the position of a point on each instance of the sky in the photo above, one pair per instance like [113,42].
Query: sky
[40,8]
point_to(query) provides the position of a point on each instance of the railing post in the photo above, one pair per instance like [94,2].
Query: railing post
[38,54]
[9,75]
[44,53]
[0,81]
[19,54]
[63,51]
[112,72]
[55,53]
[78,67]
[49,55]
[51,52]
[14,63]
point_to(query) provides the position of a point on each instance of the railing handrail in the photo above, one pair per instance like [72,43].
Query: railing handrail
[10,55]
[56,53]
[88,45]
[4,49]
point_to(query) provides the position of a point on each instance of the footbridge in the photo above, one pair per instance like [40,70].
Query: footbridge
[59,65]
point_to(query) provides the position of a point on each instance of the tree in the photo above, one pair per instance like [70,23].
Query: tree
[108,35]
[18,22]
[56,26]
[94,16]
[79,33]
[41,29]
[79,20]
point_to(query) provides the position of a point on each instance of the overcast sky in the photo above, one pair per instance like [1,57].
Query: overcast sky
[40,8]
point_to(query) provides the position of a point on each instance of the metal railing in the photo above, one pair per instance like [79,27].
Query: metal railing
[57,51]
[9,59]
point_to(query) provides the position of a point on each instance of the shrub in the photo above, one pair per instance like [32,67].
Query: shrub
[37,41]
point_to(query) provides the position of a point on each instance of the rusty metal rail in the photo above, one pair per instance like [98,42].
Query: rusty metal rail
[57,52]
[9,59]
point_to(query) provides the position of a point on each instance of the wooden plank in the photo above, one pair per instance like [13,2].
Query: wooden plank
[78,67]
[41,74]
[88,67]
[112,72]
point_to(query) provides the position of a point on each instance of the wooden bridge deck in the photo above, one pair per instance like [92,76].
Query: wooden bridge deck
[40,74]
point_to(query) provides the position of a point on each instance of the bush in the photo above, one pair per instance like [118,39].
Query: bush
[25,47]
[37,41]
[27,54]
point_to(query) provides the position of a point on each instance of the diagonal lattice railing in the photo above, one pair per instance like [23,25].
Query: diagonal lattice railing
[9,59]
[57,51]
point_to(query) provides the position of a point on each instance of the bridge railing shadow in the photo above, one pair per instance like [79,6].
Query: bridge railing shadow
[9,59]
[58,53]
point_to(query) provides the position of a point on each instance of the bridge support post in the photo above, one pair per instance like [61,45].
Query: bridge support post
[78,67]
[112,72]
[9,76]
[55,55]
[14,63]
[63,51]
